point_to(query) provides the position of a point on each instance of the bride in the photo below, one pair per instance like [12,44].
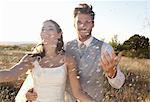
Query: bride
[50,68]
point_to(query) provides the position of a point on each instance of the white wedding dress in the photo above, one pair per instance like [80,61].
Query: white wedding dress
[48,83]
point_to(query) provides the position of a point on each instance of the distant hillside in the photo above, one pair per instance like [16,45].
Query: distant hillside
[16,43]
[19,46]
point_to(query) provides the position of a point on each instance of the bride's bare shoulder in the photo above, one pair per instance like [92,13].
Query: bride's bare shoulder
[70,60]
[28,58]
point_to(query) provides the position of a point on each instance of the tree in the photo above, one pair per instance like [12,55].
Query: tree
[114,42]
[137,46]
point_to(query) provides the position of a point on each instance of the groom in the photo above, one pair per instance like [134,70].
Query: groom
[93,57]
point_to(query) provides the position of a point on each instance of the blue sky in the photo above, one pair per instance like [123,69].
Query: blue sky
[21,20]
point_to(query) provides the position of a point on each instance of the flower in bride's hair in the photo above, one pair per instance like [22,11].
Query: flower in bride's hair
[38,49]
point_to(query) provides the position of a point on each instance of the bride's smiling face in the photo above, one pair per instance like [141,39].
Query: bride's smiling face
[49,33]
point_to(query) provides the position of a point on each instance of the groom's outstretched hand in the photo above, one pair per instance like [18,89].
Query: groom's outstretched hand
[109,63]
[31,95]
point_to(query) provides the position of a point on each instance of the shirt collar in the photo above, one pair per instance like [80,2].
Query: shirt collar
[87,42]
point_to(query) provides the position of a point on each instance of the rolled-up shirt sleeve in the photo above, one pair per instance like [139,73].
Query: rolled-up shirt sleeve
[118,80]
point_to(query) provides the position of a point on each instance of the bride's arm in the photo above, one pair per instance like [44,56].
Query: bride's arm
[15,71]
[74,82]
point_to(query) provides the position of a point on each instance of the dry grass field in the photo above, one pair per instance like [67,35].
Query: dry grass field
[135,89]
[137,84]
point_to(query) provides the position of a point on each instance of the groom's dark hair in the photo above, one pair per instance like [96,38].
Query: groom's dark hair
[84,9]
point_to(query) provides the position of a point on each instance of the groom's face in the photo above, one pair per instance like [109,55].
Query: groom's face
[83,24]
